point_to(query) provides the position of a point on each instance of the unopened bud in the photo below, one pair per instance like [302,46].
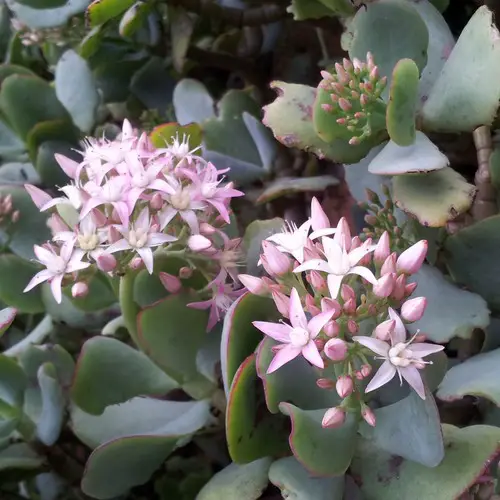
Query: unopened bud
[106,262]
[389,265]
[349,307]
[328,304]
[253,284]
[346,292]
[333,418]
[341,73]
[363,100]
[369,416]
[282,303]
[354,141]
[385,285]
[411,260]
[15,216]
[344,104]
[413,309]
[399,287]
[366,370]
[331,329]
[136,263]
[344,386]
[185,273]
[336,349]
[198,243]
[156,202]
[319,219]
[327,107]
[325,383]
[274,262]
[171,283]
[383,249]
[352,326]
[410,288]
[317,281]
[79,290]
[311,307]
[113,234]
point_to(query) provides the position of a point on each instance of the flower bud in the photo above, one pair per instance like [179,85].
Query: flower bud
[311,306]
[352,326]
[275,262]
[56,224]
[185,273]
[385,285]
[399,287]
[253,284]
[136,263]
[333,418]
[355,242]
[79,290]
[171,283]
[384,330]
[113,234]
[411,260]
[350,306]
[346,292]
[317,281]
[368,416]
[15,216]
[410,288]
[413,309]
[389,265]
[383,249]
[344,386]
[156,201]
[336,349]
[207,229]
[282,303]
[325,383]
[319,220]
[366,370]
[331,329]
[328,304]
[106,262]
[198,243]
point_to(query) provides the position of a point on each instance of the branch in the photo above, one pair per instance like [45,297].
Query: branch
[255,16]
[484,204]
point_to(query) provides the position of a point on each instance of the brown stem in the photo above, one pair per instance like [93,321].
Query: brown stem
[254,16]
[484,204]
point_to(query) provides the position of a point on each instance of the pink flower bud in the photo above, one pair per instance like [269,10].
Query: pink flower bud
[347,64]
[336,349]
[319,219]
[344,104]
[113,234]
[317,281]
[136,263]
[68,166]
[185,273]
[79,290]
[331,329]
[352,326]
[341,73]
[156,201]
[350,306]
[383,249]
[363,100]
[207,229]
[374,74]
[275,262]
[344,386]
[385,285]
[328,304]
[106,262]
[346,292]
[171,283]
[341,121]
[327,107]
[410,288]
[411,260]
[366,370]
[253,284]
[282,303]
[56,224]
[413,309]
[384,330]
[389,265]
[311,306]
[198,243]
[355,243]
[325,75]
[399,287]
[320,343]
[369,416]
[334,417]
[325,383]
[39,197]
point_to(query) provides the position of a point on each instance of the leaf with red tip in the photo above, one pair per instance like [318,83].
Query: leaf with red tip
[7,316]
[251,431]
[323,452]
[239,336]
[468,453]
[303,392]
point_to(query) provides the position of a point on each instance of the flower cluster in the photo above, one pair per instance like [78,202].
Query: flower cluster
[355,91]
[127,201]
[329,286]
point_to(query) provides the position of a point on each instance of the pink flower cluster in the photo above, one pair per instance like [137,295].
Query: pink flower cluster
[128,200]
[327,283]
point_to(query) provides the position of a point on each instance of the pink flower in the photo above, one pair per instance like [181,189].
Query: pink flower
[292,240]
[333,418]
[223,296]
[339,263]
[296,339]
[57,265]
[142,236]
[385,285]
[336,349]
[254,285]
[383,249]
[411,260]
[319,219]
[413,309]
[275,262]
[171,283]
[400,356]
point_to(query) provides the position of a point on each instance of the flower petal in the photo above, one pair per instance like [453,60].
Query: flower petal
[296,311]
[277,331]
[283,356]
[311,353]
[365,273]
[39,277]
[358,253]
[318,322]
[422,350]
[147,257]
[119,246]
[313,265]
[384,374]
[377,346]
[412,376]
[334,282]
[55,287]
